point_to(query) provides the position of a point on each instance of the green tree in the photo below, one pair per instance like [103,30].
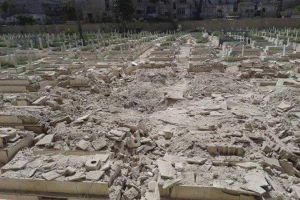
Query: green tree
[24,20]
[123,9]
[70,11]
[4,6]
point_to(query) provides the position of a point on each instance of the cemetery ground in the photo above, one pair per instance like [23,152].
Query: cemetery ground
[175,115]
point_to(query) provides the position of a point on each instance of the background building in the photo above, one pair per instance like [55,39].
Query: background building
[94,11]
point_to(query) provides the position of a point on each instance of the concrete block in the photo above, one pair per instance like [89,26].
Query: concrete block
[166,169]
[7,153]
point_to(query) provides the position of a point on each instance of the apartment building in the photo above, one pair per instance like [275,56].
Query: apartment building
[93,11]
[96,10]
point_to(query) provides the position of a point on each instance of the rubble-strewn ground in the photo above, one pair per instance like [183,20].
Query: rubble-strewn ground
[178,113]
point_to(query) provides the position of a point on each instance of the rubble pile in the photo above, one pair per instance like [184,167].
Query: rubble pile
[154,118]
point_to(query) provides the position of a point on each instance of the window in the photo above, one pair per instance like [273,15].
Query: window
[107,5]
[151,10]
[181,11]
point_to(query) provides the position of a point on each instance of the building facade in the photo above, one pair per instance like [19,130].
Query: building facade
[94,11]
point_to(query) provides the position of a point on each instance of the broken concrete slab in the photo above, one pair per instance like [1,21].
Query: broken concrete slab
[83,145]
[47,140]
[166,169]
[94,175]
[52,175]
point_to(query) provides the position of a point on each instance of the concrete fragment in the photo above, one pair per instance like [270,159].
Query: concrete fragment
[287,167]
[166,170]
[130,194]
[51,175]
[179,166]
[296,189]
[40,101]
[256,182]
[23,140]
[93,164]
[20,164]
[152,185]
[198,161]
[171,183]
[272,162]
[79,176]
[247,165]
[82,119]
[167,132]
[284,106]
[132,142]
[99,144]
[67,119]
[94,175]
[116,135]
[83,145]
[45,140]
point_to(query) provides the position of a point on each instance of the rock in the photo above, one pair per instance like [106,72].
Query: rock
[116,135]
[179,166]
[132,142]
[70,171]
[153,191]
[83,145]
[61,119]
[45,140]
[216,113]
[51,175]
[82,119]
[248,165]
[296,189]
[166,170]
[256,182]
[79,176]
[94,175]
[271,162]
[198,161]
[99,144]
[152,185]
[171,183]
[167,132]
[53,104]
[130,194]
[266,148]
[40,101]
[19,165]
[93,164]
[284,106]
[287,167]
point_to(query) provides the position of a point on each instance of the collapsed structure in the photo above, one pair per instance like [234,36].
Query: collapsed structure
[151,116]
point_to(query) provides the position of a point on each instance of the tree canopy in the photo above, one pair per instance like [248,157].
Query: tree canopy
[123,9]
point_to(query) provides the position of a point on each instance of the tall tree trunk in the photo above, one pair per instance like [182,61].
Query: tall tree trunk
[79,23]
